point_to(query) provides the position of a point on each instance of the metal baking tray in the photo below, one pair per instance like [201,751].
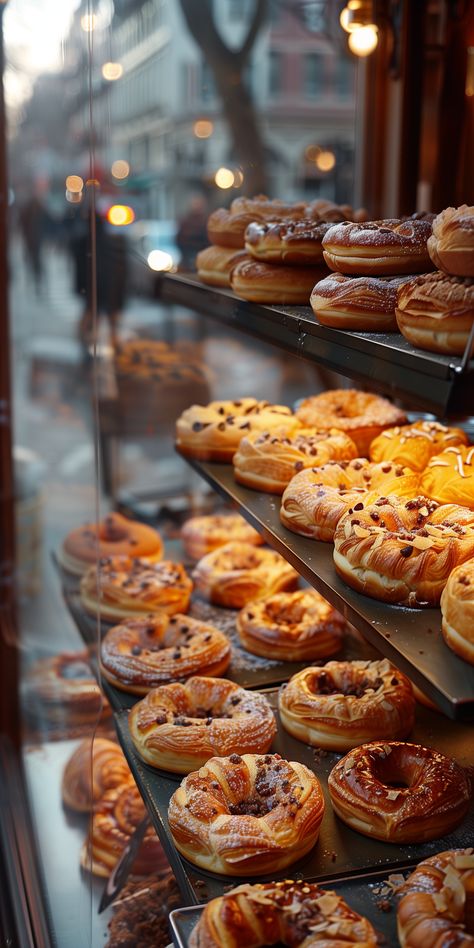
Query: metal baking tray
[340,851]
[385,361]
[369,895]
[410,638]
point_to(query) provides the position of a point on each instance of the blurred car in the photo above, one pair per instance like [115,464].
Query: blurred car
[152,251]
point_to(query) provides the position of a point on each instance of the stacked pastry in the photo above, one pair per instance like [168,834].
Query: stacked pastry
[255,235]
[371,263]
[436,311]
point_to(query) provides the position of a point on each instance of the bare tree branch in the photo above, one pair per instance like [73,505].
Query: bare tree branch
[259,17]
[200,20]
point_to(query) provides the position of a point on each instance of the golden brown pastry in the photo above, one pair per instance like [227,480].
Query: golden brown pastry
[237,573]
[226,227]
[362,304]
[449,476]
[457,610]
[435,908]
[214,264]
[379,247]
[291,627]
[270,283]
[324,210]
[345,704]
[246,815]
[267,209]
[436,312]
[287,913]
[62,690]
[316,499]
[402,551]
[361,415]
[201,535]
[451,245]
[401,793]
[115,535]
[114,820]
[141,654]
[298,243]
[178,727]
[122,587]
[213,432]
[268,460]
[96,766]
[414,445]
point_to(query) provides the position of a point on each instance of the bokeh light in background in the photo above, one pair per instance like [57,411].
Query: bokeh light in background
[74,183]
[120,215]
[88,22]
[238,178]
[311,152]
[120,169]
[73,197]
[160,260]
[325,160]
[363,40]
[112,71]
[203,128]
[224,178]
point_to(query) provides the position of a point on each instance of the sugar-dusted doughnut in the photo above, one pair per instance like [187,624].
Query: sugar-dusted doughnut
[379,247]
[361,415]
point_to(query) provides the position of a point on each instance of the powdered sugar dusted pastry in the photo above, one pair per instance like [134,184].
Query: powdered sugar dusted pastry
[379,247]
[123,587]
[361,415]
[451,245]
[298,243]
[436,312]
[363,304]
[202,535]
[238,572]
[291,626]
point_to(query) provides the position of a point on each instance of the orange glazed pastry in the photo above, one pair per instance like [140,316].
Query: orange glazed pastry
[178,727]
[269,460]
[451,245]
[213,432]
[246,815]
[457,610]
[202,535]
[140,654]
[414,445]
[287,913]
[113,536]
[402,551]
[291,626]
[435,906]
[238,572]
[316,499]
[344,704]
[96,766]
[361,415]
[401,793]
[449,477]
[124,587]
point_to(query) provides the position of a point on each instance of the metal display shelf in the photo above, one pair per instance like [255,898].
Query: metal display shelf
[411,638]
[340,851]
[386,361]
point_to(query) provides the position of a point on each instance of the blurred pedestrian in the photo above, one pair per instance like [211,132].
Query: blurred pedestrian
[33,220]
[192,232]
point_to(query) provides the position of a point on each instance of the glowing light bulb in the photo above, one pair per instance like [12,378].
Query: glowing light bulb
[112,71]
[88,22]
[120,169]
[363,40]
[224,178]
[325,161]
[120,215]
[74,183]
[203,128]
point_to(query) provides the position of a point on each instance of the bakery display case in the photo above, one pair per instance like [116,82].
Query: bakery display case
[237,515]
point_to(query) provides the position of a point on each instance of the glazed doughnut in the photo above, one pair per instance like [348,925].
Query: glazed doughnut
[123,587]
[62,690]
[345,704]
[201,535]
[237,573]
[451,245]
[291,627]
[290,242]
[435,312]
[214,264]
[113,536]
[378,248]
[402,551]
[401,793]
[270,283]
[316,499]
[213,432]
[414,445]
[285,913]
[246,815]
[114,820]
[361,415]
[362,304]
[457,610]
[96,766]
[178,727]
[449,476]
[141,654]
[268,460]
[435,907]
